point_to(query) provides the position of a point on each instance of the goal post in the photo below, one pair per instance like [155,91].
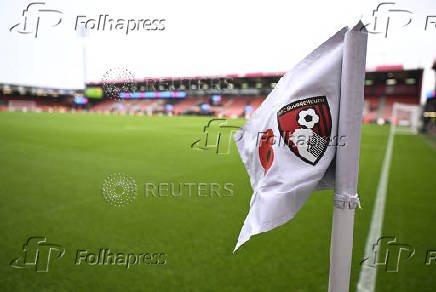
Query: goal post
[406,118]
[21,105]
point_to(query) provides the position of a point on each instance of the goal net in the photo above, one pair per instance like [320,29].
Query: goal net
[406,118]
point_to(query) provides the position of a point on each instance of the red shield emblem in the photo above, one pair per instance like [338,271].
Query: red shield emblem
[305,126]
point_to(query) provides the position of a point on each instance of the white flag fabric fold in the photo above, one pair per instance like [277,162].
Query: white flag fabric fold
[288,145]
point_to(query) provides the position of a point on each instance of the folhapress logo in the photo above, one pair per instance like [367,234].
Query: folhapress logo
[388,253]
[32,18]
[38,253]
[36,16]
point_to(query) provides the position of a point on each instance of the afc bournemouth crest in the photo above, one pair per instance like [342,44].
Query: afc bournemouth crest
[305,125]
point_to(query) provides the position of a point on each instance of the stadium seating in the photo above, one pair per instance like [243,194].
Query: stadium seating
[104,106]
[32,104]
[185,105]
[235,107]
[389,102]
[380,108]
[377,108]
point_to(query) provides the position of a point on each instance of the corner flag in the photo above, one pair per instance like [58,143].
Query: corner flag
[290,145]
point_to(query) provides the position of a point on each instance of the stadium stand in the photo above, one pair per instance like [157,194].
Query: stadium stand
[229,96]
[185,105]
[429,112]
[389,85]
[234,108]
[104,106]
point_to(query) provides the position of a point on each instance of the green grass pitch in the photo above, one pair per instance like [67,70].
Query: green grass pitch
[52,167]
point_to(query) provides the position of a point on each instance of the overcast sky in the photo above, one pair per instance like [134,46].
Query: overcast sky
[202,38]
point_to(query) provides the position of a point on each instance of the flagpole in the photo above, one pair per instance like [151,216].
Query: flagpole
[347,157]
[341,248]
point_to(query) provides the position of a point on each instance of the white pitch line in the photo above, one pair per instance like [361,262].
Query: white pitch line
[367,274]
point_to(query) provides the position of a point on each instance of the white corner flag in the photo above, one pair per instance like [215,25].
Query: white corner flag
[306,134]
